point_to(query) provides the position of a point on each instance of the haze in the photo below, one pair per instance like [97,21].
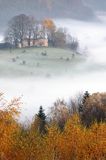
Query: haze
[91,33]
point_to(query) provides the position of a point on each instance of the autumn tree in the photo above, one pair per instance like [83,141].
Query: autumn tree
[75,104]
[49,25]
[49,28]
[28,145]
[51,143]
[59,38]
[59,113]
[94,109]
[9,127]
[18,27]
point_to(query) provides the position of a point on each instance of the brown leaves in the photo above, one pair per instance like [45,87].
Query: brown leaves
[94,109]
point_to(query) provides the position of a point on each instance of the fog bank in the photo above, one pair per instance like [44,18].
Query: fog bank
[91,74]
[35,92]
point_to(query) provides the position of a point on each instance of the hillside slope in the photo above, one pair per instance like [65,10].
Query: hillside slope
[43,8]
[30,62]
[98,5]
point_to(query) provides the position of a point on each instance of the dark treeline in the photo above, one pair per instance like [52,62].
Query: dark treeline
[69,131]
[24,31]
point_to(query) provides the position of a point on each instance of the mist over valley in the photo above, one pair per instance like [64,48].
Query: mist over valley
[42,80]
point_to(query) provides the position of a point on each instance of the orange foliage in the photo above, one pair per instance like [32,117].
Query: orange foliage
[8,126]
[49,24]
[74,142]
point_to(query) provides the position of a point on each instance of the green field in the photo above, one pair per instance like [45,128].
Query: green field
[31,62]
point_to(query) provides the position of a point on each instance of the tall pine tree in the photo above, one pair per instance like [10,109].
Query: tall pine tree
[85,97]
[42,120]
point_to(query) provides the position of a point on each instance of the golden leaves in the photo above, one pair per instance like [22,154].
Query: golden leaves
[49,24]
[74,142]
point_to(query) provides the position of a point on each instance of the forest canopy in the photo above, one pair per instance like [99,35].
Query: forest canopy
[47,138]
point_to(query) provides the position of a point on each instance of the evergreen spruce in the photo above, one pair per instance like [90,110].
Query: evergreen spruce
[42,118]
[41,114]
[85,97]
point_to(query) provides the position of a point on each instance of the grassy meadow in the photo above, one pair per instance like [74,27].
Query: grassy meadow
[44,62]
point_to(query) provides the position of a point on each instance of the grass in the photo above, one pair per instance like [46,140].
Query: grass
[31,62]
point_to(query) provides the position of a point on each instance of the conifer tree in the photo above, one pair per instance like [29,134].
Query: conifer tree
[85,96]
[42,120]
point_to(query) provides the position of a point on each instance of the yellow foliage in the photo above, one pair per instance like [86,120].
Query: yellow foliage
[49,24]
[8,126]
[74,142]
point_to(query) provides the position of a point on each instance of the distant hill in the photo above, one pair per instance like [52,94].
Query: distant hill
[44,8]
[98,5]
